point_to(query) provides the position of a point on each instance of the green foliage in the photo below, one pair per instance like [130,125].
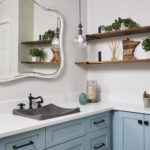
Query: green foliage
[106,28]
[129,23]
[48,35]
[35,52]
[146,44]
[146,95]
[116,25]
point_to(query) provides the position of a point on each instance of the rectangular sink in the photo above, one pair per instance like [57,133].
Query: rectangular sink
[45,112]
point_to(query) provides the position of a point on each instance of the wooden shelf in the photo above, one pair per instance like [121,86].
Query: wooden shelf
[30,62]
[111,62]
[145,29]
[38,42]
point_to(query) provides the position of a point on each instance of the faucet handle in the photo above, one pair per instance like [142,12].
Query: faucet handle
[39,104]
[21,105]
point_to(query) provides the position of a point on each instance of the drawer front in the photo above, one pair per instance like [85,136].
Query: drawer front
[34,140]
[97,122]
[64,132]
[98,140]
[77,144]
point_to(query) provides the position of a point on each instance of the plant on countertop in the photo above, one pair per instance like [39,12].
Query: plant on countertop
[35,52]
[146,44]
[48,35]
[116,25]
[146,95]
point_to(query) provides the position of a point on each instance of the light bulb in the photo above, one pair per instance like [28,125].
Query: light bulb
[80,41]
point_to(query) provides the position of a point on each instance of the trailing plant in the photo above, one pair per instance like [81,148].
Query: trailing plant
[48,35]
[116,25]
[106,28]
[35,52]
[129,23]
[146,44]
[146,95]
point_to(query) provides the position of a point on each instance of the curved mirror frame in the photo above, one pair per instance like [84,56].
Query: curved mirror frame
[59,70]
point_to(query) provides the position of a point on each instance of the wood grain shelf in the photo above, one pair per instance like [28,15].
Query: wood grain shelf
[50,63]
[111,62]
[144,29]
[37,42]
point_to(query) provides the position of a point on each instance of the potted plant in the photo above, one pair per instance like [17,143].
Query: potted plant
[146,46]
[129,23]
[37,54]
[117,24]
[106,28]
[48,35]
[146,98]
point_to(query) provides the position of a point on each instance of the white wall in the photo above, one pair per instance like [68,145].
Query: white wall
[73,78]
[118,82]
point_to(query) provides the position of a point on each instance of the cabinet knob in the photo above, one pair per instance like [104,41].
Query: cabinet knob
[140,122]
[146,123]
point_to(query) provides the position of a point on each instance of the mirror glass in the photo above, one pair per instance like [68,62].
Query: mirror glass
[30,40]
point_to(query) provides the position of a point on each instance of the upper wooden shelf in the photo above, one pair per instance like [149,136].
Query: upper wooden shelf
[112,62]
[40,62]
[145,29]
[37,42]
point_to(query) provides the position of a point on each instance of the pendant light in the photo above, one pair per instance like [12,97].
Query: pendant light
[80,39]
[56,39]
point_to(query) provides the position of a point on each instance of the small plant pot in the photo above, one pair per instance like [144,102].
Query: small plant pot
[146,102]
[36,59]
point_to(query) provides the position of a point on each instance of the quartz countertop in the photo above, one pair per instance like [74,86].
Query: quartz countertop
[12,124]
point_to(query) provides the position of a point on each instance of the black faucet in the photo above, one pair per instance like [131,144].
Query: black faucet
[34,98]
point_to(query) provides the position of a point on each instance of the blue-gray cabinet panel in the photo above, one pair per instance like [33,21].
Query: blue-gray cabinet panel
[98,140]
[147,132]
[64,132]
[23,141]
[130,131]
[97,122]
[76,144]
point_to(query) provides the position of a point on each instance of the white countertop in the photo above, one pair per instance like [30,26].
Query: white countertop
[12,124]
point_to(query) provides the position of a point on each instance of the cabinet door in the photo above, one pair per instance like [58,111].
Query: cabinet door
[130,131]
[77,144]
[98,140]
[147,132]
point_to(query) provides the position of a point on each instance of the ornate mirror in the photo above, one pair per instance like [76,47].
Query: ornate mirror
[31,40]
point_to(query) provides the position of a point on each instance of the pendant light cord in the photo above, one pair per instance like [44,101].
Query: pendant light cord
[80,11]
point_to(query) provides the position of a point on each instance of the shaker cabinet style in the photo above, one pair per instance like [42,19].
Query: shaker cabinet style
[89,133]
[131,131]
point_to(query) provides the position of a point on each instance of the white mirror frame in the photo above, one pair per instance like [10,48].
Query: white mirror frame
[60,69]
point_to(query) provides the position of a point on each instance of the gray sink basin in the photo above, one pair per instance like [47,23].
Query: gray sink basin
[45,112]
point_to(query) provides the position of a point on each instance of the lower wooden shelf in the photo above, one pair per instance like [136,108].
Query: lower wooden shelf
[111,62]
[40,62]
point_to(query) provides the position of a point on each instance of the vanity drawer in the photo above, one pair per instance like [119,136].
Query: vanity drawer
[97,122]
[34,140]
[98,140]
[64,132]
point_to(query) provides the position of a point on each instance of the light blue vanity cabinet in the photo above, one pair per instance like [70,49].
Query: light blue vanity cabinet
[131,131]
[89,133]
[76,144]
[34,140]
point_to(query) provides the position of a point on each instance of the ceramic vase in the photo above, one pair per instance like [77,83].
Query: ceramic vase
[35,59]
[146,102]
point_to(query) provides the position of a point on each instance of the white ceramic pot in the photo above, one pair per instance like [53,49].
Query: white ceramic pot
[35,59]
[146,102]
[123,27]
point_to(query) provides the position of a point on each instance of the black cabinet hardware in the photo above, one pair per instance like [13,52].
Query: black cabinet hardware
[18,147]
[98,122]
[21,105]
[140,122]
[146,123]
[100,146]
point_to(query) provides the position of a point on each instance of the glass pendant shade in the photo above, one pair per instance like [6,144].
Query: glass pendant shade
[80,39]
